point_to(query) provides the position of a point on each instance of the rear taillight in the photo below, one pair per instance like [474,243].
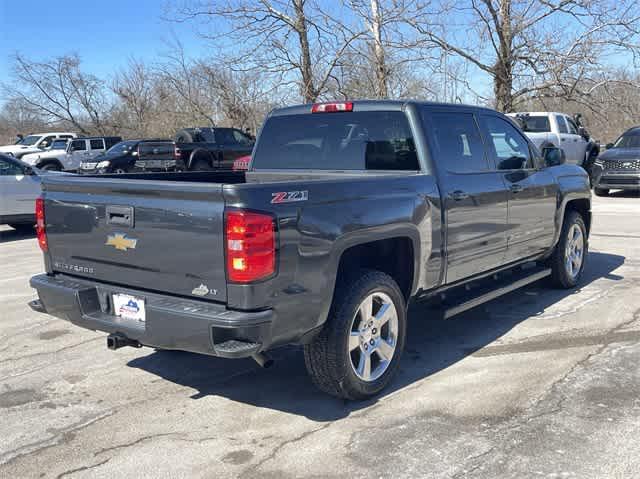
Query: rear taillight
[40,225]
[251,246]
[332,107]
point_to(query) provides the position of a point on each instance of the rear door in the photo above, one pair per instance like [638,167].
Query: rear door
[532,189]
[474,195]
[96,146]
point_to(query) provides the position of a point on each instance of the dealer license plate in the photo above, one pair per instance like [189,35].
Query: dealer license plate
[129,307]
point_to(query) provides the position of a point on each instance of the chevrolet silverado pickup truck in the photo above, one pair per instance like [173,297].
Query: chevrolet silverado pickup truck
[347,212]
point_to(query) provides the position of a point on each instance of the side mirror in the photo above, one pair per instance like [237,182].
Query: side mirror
[608,146]
[28,171]
[553,156]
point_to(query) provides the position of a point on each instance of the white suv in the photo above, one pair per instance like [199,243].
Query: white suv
[35,143]
[560,130]
[77,151]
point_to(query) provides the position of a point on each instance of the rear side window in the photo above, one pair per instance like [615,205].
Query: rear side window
[97,144]
[535,124]
[458,143]
[78,145]
[562,125]
[367,140]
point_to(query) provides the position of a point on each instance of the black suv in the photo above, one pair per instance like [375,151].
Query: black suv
[135,155]
[618,168]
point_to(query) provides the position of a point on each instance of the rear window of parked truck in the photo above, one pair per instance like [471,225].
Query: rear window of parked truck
[337,141]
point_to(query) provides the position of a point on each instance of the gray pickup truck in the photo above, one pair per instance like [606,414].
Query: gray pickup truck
[348,211]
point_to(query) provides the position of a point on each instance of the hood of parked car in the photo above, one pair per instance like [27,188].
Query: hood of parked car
[18,149]
[621,154]
[33,158]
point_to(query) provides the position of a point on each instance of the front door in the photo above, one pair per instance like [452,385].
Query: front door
[532,189]
[577,141]
[474,195]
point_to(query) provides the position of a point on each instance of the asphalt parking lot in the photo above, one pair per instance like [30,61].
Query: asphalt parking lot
[541,383]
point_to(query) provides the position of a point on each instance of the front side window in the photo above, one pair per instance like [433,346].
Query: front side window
[573,129]
[365,140]
[535,124]
[122,147]
[458,143]
[562,125]
[508,147]
[59,145]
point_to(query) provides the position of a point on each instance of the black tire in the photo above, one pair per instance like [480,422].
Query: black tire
[601,191]
[51,167]
[328,359]
[560,276]
[201,162]
[183,136]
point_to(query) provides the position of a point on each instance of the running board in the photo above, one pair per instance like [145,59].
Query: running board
[488,294]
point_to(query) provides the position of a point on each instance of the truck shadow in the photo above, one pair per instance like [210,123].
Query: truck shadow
[432,346]
[7,235]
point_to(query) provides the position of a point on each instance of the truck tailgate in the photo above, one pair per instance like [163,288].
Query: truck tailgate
[156,235]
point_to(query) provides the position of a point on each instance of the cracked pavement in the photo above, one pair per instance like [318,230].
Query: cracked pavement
[539,383]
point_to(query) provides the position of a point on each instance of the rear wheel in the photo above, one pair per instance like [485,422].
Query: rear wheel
[201,164]
[569,258]
[601,191]
[359,349]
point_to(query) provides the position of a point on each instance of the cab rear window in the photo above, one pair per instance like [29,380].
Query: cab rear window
[378,140]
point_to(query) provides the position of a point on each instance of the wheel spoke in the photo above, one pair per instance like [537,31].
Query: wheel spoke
[354,340]
[385,350]
[364,366]
[384,314]
[366,309]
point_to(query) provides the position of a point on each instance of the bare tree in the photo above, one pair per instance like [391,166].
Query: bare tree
[535,47]
[60,91]
[288,41]
[135,87]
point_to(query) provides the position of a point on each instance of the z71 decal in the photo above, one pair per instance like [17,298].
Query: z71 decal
[289,196]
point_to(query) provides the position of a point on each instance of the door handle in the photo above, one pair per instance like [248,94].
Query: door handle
[458,195]
[516,188]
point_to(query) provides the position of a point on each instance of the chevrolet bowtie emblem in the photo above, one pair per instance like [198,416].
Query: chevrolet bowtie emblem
[121,242]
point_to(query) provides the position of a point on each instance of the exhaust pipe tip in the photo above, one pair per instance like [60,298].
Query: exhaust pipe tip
[264,360]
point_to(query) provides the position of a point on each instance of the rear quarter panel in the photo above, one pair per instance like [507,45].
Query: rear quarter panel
[313,234]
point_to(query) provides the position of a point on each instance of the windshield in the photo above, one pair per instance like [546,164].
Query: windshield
[371,140]
[29,140]
[631,140]
[121,148]
[535,124]
[59,145]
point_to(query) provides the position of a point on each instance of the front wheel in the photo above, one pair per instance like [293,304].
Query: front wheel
[569,258]
[359,349]
[51,167]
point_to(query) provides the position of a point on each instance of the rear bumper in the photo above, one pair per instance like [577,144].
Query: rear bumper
[171,323]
